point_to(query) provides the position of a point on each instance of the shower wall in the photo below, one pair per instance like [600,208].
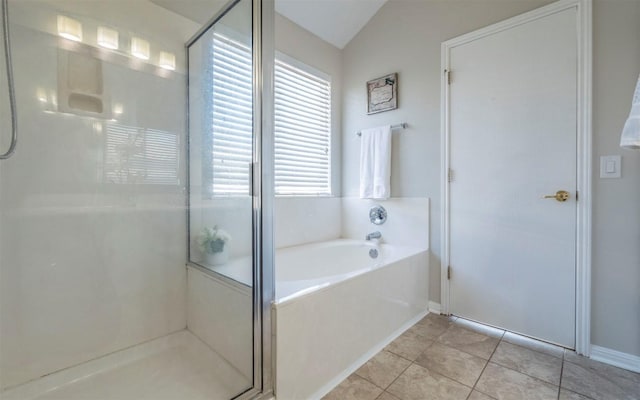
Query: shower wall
[92,219]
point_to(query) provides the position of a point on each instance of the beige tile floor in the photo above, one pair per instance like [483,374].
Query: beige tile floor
[443,358]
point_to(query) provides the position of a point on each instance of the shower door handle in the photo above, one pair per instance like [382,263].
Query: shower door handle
[252,171]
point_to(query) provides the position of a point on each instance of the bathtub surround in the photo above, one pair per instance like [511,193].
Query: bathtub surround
[413,49]
[355,313]
[300,220]
[407,220]
[343,331]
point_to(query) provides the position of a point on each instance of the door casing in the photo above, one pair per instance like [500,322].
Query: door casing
[583,151]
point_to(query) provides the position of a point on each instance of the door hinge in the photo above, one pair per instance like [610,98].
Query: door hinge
[450,175]
[449,272]
[577,197]
[449,73]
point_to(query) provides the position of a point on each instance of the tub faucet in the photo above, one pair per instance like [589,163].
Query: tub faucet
[374,235]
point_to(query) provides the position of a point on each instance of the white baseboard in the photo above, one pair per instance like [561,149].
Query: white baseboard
[615,358]
[434,307]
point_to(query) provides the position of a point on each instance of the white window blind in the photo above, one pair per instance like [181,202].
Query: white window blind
[302,124]
[232,116]
[141,155]
[302,132]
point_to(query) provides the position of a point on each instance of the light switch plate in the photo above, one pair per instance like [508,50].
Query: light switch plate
[610,166]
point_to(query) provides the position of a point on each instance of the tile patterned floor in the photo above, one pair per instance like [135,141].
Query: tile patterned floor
[444,358]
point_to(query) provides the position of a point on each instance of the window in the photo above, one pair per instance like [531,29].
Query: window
[302,124]
[302,131]
[141,156]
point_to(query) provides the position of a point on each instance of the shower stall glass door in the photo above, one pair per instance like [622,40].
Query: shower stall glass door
[230,245]
[96,299]
[220,274]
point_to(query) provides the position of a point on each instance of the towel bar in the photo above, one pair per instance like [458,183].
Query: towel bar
[403,125]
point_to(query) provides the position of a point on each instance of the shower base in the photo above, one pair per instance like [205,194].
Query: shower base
[177,366]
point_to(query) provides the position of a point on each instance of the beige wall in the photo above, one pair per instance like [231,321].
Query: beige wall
[616,211]
[405,37]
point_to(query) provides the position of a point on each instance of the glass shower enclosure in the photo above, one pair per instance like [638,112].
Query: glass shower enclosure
[126,270]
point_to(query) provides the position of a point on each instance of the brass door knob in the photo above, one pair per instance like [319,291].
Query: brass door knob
[561,196]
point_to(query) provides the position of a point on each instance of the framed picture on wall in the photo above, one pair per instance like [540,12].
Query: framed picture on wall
[382,94]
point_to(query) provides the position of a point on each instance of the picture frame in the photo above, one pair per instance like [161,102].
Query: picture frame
[382,94]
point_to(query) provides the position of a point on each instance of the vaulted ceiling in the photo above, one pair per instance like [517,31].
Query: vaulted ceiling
[335,21]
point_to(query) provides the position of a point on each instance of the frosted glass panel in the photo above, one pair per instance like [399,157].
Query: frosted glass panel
[221,146]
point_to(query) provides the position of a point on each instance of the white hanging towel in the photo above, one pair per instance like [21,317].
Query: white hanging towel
[631,131]
[375,163]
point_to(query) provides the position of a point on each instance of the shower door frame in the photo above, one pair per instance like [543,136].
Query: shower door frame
[262,192]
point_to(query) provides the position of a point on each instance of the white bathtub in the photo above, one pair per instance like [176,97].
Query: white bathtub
[306,268]
[336,307]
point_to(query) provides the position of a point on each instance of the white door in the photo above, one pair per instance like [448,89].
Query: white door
[513,113]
